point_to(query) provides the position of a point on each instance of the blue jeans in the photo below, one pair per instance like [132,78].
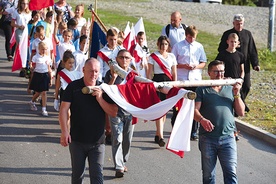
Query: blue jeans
[223,148]
[95,154]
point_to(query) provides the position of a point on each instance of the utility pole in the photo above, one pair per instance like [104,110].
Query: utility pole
[271,25]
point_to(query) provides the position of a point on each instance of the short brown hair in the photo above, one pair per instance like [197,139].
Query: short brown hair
[191,30]
[111,32]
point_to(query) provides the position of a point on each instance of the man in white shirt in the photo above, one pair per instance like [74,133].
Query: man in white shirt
[191,59]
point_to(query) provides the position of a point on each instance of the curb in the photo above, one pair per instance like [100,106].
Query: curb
[256,132]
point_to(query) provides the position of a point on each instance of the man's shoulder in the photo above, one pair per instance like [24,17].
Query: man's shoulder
[246,31]
[77,83]
[197,44]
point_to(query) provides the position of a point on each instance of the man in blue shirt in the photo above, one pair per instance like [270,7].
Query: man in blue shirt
[174,31]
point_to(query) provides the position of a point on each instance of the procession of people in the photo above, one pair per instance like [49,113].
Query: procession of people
[57,54]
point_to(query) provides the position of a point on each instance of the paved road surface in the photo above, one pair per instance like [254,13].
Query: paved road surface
[30,152]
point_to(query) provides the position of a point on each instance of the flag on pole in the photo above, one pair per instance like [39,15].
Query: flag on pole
[98,40]
[21,52]
[138,53]
[38,4]
[139,27]
[127,29]
[130,40]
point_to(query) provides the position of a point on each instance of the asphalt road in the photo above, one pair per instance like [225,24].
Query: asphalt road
[30,152]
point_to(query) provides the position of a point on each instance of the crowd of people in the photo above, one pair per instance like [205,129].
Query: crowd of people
[58,54]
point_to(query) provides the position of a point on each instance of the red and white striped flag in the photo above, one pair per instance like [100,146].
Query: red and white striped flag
[139,27]
[21,52]
[130,40]
[137,53]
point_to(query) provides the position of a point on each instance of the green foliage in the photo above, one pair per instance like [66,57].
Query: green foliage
[240,2]
[267,59]
[210,43]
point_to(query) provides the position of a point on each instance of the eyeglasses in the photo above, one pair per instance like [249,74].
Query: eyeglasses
[124,57]
[221,72]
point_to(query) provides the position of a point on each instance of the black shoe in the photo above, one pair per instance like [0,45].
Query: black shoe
[108,139]
[22,73]
[119,173]
[237,138]
[10,58]
[246,109]
[161,142]
[156,139]
[194,138]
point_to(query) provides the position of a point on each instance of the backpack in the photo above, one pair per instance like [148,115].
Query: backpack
[168,29]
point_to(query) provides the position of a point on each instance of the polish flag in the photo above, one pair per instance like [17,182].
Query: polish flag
[139,26]
[130,40]
[131,97]
[38,4]
[127,29]
[137,53]
[21,52]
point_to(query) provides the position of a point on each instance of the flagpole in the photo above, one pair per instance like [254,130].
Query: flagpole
[90,8]
[91,30]
[96,6]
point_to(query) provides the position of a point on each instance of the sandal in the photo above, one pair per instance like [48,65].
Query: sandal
[10,58]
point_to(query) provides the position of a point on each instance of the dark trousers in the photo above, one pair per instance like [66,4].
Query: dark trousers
[175,112]
[95,154]
[7,28]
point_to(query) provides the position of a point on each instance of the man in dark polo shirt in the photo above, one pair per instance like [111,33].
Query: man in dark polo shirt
[82,122]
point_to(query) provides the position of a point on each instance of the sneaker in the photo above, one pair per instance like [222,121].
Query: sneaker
[194,137]
[44,113]
[236,134]
[32,106]
[119,173]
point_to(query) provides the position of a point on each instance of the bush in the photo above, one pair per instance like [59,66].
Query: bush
[267,59]
[240,2]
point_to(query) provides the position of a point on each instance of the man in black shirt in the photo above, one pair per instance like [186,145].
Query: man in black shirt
[247,47]
[87,122]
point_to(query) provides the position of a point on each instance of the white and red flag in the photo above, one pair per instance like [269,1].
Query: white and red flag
[21,52]
[130,40]
[131,97]
[127,29]
[139,27]
[137,53]
[39,4]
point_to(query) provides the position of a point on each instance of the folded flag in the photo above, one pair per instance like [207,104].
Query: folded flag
[178,142]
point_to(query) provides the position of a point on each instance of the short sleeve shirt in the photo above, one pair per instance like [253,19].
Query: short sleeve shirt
[87,118]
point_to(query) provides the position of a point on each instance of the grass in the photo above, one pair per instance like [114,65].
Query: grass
[262,114]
